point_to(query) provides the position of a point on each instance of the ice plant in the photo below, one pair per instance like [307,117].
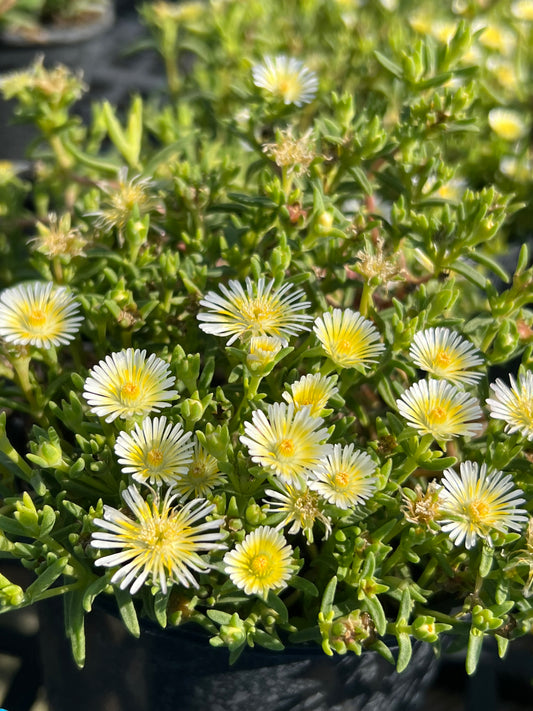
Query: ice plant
[155,452]
[440,409]
[507,124]
[127,384]
[286,441]
[514,405]
[347,338]
[160,544]
[344,477]
[201,476]
[287,79]
[478,502]
[302,508]
[262,562]
[311,391]
[261,310]
[444,354]
[38,314]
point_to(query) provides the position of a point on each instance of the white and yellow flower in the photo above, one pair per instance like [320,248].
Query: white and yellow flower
[522,10]
[312,391]
[38,314]
[440,409]
[344,477]
[301,508]
[126,384]
[263,351]
[156,452]
[507,124]
[477,502]
[288,442]
[262,562]
[348,338]
[514,405]
[287,79]
[446,354]
[260,310]
[201,477]
[158,544]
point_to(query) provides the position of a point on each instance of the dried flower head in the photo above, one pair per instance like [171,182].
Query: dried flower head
[373,264]
[122,198]
[287,79]
[424,507]
[301,508]
[295,154]
[58,238]
[160,543]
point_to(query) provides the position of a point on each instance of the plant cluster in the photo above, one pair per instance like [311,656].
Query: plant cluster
[262,365]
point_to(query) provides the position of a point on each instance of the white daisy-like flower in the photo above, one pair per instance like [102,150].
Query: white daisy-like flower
[125,384]
[260,310]
[312,391]
[446,354]
[156,452]
[201,477]
[344,477]
[514,405]
[440,409]
[507,124]
[263,350]
[522,10]
[286,79]
[348,338]
[159,544]
[262,562]
[477,502]
[301,508]
[38,314]
[287,441]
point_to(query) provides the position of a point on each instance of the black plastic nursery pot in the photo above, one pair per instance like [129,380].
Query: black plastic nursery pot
[178,669]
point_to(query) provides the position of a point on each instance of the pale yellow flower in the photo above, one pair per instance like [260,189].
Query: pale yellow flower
[312,391]
[507,124]
[514,405]
[348,338]
[344,477]
[286,79]
[446,354]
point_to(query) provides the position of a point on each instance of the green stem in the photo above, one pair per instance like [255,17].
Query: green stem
[366,299]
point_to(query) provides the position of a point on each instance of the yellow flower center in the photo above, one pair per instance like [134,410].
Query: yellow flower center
[154,457]
[477,511]
[442,359]
[341,479]
[196,471]
[286,448]
[438,414]
[129,391]
[344,346]
[37,317]
[259,564]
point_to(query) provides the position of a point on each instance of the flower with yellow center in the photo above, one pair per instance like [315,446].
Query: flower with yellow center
[260,310]
[288,442]
[263,351]
[478,502]
[514,405]
[122,198]
[445,354]
[302,508]
[496,37]
[156,452]
[522,10]
[344,477]
[312,391]
[507,124]
[440,409]
[201,476]
[126,385]
[262,562]
[287,79]
[158,543]
[38,314]
[349,339]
